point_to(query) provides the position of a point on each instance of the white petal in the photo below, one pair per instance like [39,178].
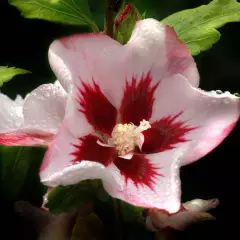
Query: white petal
[211,114]
[153,48]
[57,167]
[156,47]
[200,205]
[44,109]
[10,114]
[19,100]
[163,193]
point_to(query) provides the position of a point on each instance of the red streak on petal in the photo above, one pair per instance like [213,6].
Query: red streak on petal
[99,112]
[25,139]
[139,169]
[138,100]
[11,139]
[89,150]
[164,134]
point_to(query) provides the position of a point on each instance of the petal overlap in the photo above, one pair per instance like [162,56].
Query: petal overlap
[34,120]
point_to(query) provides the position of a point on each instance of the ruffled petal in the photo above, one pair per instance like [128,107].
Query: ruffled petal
[10,114]
[44,109]
[155,47]
[11,119]
[126,75]
[87,60]
[201,119]
[156,53]
[179,58]
[150,181]
[35,120]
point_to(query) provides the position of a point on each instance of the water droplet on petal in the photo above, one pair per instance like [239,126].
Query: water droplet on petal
[167,193]
[226,101]
[219,92]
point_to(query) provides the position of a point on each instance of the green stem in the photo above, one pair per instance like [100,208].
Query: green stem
[118,216]
[109,19]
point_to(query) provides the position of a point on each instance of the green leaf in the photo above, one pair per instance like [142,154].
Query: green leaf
[102,195]
[73,12]
[6,73]
[132,213]
[197,27]
[15,163]
[125,23]
[144,15]
[65,198]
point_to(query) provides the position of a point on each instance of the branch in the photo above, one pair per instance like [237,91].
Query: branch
[111,9]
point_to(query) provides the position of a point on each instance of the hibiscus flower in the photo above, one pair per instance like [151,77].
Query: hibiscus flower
[32,121]
[134,115]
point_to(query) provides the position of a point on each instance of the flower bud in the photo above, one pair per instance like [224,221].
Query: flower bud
[125,22]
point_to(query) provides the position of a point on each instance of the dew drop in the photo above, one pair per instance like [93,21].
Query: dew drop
[219,92]
[226,101]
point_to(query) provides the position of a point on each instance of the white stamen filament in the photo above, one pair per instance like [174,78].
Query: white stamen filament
[104,144]
[125,137]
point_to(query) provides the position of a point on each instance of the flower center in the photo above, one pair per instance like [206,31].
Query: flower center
[125,137]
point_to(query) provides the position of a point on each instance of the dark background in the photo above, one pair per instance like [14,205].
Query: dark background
[24,44]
